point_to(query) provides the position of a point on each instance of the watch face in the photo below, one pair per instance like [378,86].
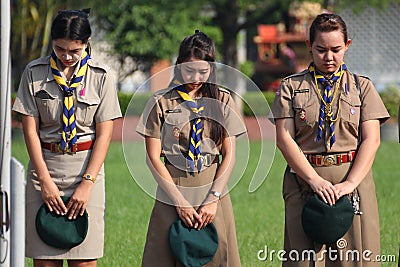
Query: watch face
[88,177]
[217,194]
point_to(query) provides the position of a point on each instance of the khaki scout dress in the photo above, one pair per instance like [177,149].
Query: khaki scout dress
[297,98]
[168,118]
[96,101]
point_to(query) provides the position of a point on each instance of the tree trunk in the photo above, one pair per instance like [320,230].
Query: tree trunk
[227,16]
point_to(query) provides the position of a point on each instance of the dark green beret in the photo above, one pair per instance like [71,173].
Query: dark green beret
[193,247]
[326,224]
[58,231]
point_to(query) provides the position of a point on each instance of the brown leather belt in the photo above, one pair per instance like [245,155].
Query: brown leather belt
[56,147]
[331,159]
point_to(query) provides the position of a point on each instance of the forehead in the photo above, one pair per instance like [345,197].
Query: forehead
[329,39]
[196,64]
[68,44]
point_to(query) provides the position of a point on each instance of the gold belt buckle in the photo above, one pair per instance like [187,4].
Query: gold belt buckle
[56,148]
[329,160]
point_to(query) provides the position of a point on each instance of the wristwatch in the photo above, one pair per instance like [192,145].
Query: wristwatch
[89,177]
[216,194]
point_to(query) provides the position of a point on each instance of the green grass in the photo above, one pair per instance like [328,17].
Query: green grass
[259,215]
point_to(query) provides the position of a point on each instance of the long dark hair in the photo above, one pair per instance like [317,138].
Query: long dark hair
[73,25]
[202,47]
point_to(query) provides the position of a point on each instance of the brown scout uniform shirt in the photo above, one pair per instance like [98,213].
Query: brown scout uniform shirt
[40,96]
[166,117]
[297,98]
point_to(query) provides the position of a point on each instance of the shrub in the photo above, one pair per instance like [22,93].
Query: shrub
[391,98]
[254,103]
[139,101]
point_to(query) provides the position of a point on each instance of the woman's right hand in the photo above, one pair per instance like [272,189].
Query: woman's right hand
[189,216]
[325,190]
[51,197]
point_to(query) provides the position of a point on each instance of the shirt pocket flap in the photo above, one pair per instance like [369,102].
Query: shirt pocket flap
[351,100]
[89,100]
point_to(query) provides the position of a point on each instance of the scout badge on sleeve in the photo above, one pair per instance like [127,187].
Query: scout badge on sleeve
[59,231]
[326,224]
[192,247]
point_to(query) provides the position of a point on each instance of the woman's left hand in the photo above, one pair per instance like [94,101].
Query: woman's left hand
[207,213]
[344,188]
[79,199]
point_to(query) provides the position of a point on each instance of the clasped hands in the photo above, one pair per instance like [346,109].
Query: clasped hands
[200,218]
[330,193]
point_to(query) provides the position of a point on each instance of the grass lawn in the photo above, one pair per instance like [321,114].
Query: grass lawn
[259,215]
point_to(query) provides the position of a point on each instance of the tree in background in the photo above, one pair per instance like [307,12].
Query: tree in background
[30,35]
[141,32]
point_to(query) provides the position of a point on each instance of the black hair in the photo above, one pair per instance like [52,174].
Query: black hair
[73,25]
[328,23]
[202,47]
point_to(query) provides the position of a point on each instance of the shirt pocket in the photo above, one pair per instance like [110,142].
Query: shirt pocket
[175,130]
[49,106]
[350,111]
[86,108]
[306,110]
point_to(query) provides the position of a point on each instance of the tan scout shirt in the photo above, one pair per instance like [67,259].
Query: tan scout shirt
[168,118]
[297,98]
[40,96]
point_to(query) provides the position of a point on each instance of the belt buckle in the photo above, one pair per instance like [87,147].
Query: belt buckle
[329,160]
[207,160]
[200,157]
[56,148]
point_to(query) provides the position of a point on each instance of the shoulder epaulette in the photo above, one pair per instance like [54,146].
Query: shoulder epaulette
[39,61]
[224,90]
[296,74]
[162,91]
[95,64]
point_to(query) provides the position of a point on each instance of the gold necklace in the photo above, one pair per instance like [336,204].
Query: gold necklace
[328,106]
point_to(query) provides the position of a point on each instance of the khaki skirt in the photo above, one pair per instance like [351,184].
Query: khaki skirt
[66,170]
[363,235]
[157,251]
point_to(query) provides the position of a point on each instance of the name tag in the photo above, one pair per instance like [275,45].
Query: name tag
[178,110]
[300,91]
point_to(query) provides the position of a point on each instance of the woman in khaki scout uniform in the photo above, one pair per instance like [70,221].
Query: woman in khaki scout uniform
[194,191]
[70,166]
[319,127]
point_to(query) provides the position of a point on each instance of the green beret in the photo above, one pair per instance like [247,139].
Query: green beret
[58,231]
[192,247]
[326,224]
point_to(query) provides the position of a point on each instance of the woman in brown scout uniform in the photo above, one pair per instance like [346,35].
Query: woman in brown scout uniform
[328,132]
[190,124]
[68,102]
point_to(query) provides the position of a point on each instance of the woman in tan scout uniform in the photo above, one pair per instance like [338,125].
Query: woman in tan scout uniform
[68,102]
[320,118]
[192,182]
